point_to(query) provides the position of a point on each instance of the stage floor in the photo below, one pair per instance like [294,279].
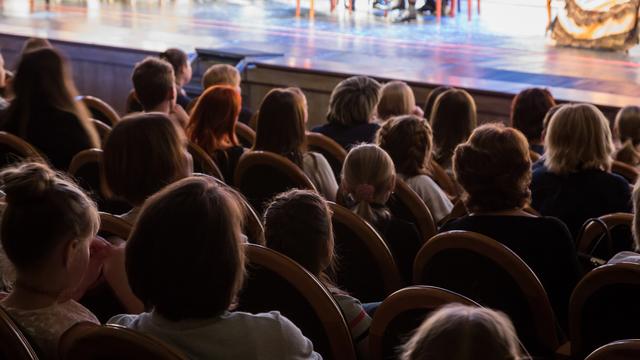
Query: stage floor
[504,49]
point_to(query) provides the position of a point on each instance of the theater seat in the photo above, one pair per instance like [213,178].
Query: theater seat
[618,350]
[203,163]
[13,343]
[14,149]
[100,110]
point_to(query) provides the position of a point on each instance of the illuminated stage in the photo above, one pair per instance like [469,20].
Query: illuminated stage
[502,50]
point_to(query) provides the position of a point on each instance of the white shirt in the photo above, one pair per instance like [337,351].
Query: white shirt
[432,195]
[319,172]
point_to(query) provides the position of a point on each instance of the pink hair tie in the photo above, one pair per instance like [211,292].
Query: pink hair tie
[365,192]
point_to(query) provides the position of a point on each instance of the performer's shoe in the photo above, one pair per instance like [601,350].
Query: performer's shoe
[429,6]
[398,6]
[407,16]
[381,5]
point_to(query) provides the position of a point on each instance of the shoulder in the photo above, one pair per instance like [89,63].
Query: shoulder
[81,313]
[322,128]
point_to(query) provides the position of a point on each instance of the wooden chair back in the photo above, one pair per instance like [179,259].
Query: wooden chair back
[13,344]
[86,168]
[617,350]
[246,135]
[260,175]
[446,183]
[275,282]
[88,341]
[403,312]
[618,226]
[366,268]
[100,110]
[203,163]
[331,150]
[14,149]
[111,225]
[408,206]
[625,170]
[604,308]
[489,273]
[103,129]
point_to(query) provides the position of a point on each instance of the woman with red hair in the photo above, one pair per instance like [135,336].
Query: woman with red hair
[212,126]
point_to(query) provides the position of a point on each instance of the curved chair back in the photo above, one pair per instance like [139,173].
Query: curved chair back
[246,135]
[488,272]
[408,206]
[276,282]
[103,129]
[100,110]
[132,105]
[618,350]
[331,150]
[88,341]
[14,344]
[440,176]
[260,175]
[366,266]
[625,170]
[604,308]
[14,149]
[403,312]
[111,225]
[594,238]
[86,168]
[203,163]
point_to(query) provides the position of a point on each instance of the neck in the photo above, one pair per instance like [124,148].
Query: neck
[29,296]
[509,212]
[164,107]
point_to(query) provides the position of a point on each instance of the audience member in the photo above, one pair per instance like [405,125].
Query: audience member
[453,118]
[186,262]
[281,129]
[155,88]
[431,100]
[630,256]
[627,131]
[407,139]
[3,85]
[494,169]
[46,230]
[212,126]
[223,74]
[352,112]
[528,111]
[181,65]
[368,178]
[45,112]
[396,98]
[144,153]
[575,184]
[35,43]
[458,332]
[298,224]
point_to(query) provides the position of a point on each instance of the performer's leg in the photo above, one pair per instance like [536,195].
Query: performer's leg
[410,14]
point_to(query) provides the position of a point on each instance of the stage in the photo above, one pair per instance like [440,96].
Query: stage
[500,51]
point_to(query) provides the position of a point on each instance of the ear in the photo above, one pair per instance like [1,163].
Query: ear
[172,94]
[69,251]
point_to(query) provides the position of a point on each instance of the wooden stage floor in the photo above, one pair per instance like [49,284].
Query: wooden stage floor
[504,49]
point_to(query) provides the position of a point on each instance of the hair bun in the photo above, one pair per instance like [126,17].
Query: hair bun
[27,181]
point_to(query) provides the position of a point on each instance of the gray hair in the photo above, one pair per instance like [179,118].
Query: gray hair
[353,101]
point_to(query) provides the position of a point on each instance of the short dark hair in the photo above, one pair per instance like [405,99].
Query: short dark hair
[353,101]
[184,258]
[153,79]
[453,118]
[142,154]
[528,110]
[431,99]
[494,169]
[177,58]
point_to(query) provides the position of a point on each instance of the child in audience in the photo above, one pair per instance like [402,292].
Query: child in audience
[281,129]
[431,100]
[630,256]
[45,112]
[494,169]
[35,43]
[368,178]
[185,261]
[351,115]
[47,227]
[528,111]
[453,118]
[298,224]
[627,129]
[212,126]
[223,74]
[459,332]
[182,70]
[396,98]
[407,139]
[575,182]
[154,83]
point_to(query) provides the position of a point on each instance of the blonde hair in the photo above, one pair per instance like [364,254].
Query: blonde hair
[221,74]
[635,226]
[396,98]
[627,129]
[578,137]
[459,332]
[368,174]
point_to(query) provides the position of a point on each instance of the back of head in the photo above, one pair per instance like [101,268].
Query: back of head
[353,101]
[44,210]
[297,223]
[453,119]
[635,227]
[407,139]
[627,125]
[458,332]
[578,138]
[153,80]
[494,169]
[431,99]
[396,98]
[212,124]
[184,258]
[142,154]
[281,124]
[368,176]
[221,74]
[35,43]
[528,111]
[177,58]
